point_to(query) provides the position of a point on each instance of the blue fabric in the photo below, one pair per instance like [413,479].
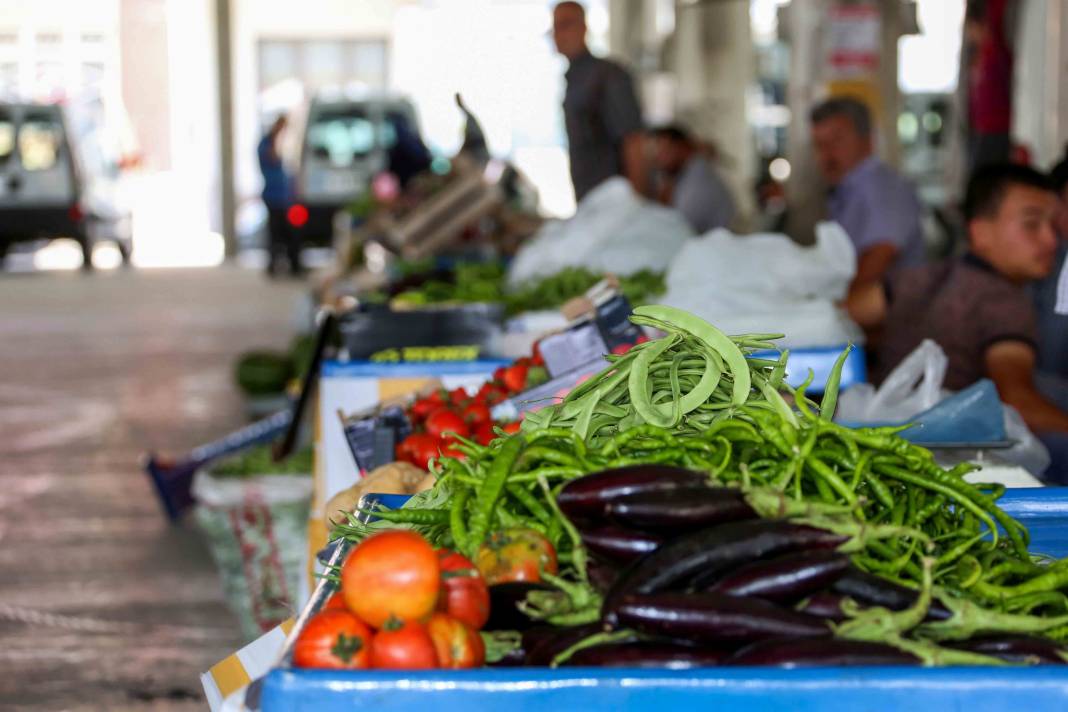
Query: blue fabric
[874,205]
[276,191]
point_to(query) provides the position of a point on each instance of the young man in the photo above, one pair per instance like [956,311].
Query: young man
[876,207]
[976,307]
[601,112]
[689,181]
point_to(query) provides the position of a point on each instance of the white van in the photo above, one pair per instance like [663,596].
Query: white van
[59,176]
[345,143]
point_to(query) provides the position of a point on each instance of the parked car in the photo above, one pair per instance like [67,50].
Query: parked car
[346,140]
[59,178]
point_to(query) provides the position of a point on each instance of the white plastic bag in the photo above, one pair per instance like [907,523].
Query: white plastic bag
[768,283]
[912,387]
[916,385]
[613,230]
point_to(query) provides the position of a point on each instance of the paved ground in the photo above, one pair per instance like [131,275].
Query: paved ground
[102,604]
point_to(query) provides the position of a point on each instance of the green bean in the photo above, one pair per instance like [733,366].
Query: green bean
[675,319]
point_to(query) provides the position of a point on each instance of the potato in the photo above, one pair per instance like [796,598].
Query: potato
[394,478]
[425,483]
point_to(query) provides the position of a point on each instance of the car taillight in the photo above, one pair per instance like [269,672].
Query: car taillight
[75,213]
[297,215]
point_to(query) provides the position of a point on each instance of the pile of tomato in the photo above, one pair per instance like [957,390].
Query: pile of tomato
[441,416]
[402,605]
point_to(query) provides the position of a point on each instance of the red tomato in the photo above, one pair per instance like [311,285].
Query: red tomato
[524,361]
[498,375]
[456,645]
[422,408]
[335,603]
[515,378]
[492,394]
[484,434]
[464,595]
[420,448]
[458,396]
[403,646]
[394,574]
[536,357]
[443,421]
[477,413]
[516,555]
[512,428]
[334,639]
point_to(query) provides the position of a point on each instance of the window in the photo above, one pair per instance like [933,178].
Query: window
[40,140]
[7,138]
[341,137]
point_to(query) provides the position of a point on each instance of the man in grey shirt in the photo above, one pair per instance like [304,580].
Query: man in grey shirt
[877,208]
[601,111]
[689,182]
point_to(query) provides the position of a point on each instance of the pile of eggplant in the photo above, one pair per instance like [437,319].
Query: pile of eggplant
[690,576]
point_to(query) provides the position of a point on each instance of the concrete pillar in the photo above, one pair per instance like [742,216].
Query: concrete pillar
[224,65]
[714,67]
[804,194]
[625,29]
[146,77]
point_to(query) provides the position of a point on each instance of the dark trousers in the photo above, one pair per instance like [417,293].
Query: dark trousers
[282,239]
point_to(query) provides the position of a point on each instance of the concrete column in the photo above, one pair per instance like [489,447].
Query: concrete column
[224,64]
[146,77]
[714,67]
[803,190]
[625,29]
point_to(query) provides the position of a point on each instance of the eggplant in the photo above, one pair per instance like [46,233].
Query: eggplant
[710,552]
[680,510]
[601,574]
[586,498]
[785,579]
[870,590]
[801,652]
[648,654]
[546,645]
[504,597]
[826,605]
[713,618]
[618,544]
[1014,648]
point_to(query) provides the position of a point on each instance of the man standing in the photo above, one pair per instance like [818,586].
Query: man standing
[873,204]
[276,196]
[601,112]
[689,181]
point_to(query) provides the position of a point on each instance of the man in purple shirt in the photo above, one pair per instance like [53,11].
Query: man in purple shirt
[876,207]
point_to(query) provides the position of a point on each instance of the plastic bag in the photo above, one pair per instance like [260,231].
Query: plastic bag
[913,390]
[256,530]
[768,283]
[613,230]
[914,386]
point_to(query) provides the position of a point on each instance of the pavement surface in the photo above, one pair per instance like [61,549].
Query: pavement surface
[103,605]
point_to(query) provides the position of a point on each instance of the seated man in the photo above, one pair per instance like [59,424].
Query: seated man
[876,207]
[976,307]
[689,182]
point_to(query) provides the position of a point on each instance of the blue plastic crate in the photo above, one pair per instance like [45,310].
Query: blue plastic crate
[856,689]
